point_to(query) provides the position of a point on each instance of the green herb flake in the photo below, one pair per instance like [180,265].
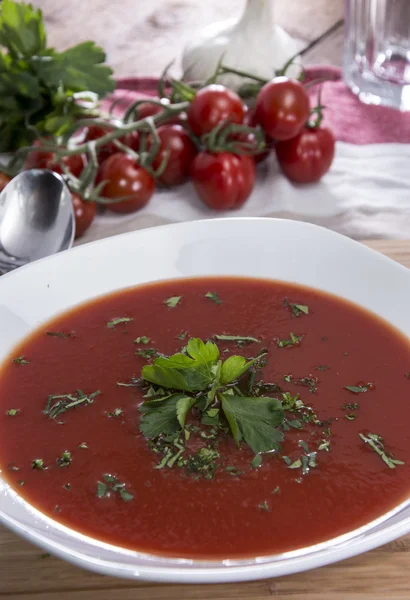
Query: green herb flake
[116,413]
[114,322]
[20,360]
[297,309]
[324,445]
[38,464]
[214,297]
[350,417]
[142,340]
[322,368]
[246,339]
[288,378]
[65,459]
[126,496]
[295,464]
[294,340]
[67,486]
[147,353]
[12,412]
[102,489]
[58,404]
[57,508]
[276,490]
[83,445]
[173,301]
[264,506]
[182,335]
[375,441]
[356,389]
[256,461]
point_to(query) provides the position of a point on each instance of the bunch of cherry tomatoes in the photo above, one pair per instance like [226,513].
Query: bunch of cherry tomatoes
[215,141]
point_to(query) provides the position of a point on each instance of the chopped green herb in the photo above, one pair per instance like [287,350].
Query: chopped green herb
[60,334]
[350,406]
[288,378]
[375,441]
[276,490]
[182,335]
[20,360]
[295,464]
[234,471]
[304,445]
[264,506]
[20,482]
[102,489]
[132,383]
[114,322]
[322,368]
[324,445]
[38,464]
[147,353]
[350,417]
[294,340]
[83,445]
[309,382]
[12,412]
[126,496]
[203,462]
[256,461]
[142,340]
[297,309]
[64,402]
[327,432]
[237,338]
[112,484]
[356,389]
[116,413]
[173,301]
[65,459]
[214,297]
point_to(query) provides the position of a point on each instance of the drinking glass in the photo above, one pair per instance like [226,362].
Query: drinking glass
[377,51]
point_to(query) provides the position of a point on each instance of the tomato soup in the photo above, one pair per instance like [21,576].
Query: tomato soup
[209,418]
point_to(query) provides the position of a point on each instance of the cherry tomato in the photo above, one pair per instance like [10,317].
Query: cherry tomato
[94,132]
[125,178]
[181,150]
[282,108]
[4,180]
[308,156]
[212,105]
[84,213]
[224,180]
[40,159]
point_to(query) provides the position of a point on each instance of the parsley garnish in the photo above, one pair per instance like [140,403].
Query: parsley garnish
[147,353]
[38,464]
[142,340]
[12,412]
[375,441]
[297,309]
[322,368]
[293,341]
[214,297]
[257,461]
[356,389]
[20,360]
[173,301]
[116,413]
[114,322]
[65,459]
[111,484]
[264,506]
[201,377]
[182,335]
[246,339]
[64,402]
[83,445]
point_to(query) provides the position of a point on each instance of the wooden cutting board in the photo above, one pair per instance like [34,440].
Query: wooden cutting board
[27,574]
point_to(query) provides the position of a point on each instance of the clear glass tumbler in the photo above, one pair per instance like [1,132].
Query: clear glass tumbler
[377,51]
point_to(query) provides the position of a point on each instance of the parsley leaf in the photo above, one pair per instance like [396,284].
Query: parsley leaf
[293,341]
[254,420]
[214,297]
[234,367]
[236,338]
[142,340]
[183,406]
[21,29]
[173,301]
[375,441]
[160,416]
[297,309]
[356,389]
[114,322]
[12,412]
[20,360]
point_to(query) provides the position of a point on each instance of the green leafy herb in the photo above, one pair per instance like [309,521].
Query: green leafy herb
[142,340]
[294,340]
[116,413]
[322,368]
[38,464]
[182,335]
[147,353]
[256,461]
[350,406]
[111,484]
[203,462]
[246,339]
[234,367]
[264,506]
[309,382]
[20,360]
[297,309]
[65,459]
[350,417]
[214,297]
[12,412]
[83,445]
[160,416]
[276,490]
[114,322]
[60,334]
[375,441]
[173,301]
[40,87]
[356,389]
[324,445]
[64,402]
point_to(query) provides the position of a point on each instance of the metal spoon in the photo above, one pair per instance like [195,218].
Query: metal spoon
[36,218]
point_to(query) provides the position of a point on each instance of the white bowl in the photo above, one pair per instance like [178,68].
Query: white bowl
[276,249]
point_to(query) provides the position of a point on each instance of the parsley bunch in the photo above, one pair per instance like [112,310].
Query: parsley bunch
[42,91]
[200,379]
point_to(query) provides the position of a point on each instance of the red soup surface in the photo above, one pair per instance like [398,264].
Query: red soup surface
[338,432]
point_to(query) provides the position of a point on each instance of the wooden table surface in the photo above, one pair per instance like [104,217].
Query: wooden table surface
[140,38]
[382,574]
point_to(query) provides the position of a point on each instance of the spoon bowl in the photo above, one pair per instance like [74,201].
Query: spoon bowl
[36,218]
